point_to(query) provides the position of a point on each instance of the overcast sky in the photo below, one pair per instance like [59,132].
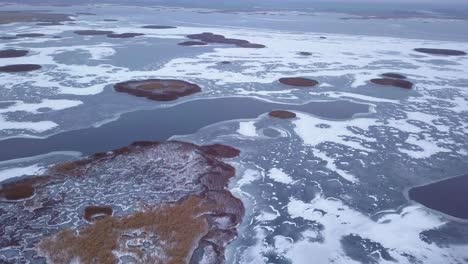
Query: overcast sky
[286,2]
[265,3]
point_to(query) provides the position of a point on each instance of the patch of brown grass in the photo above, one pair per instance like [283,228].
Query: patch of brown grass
[220,151]
[21,189]
[178,226]
[282,114]
[17,191]
[298,82]
[72,168]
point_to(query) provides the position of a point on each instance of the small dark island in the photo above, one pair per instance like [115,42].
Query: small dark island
[394,75]
[30,35]
[157,27]
[208,37]
[8,37]
[91,32]
[251,45]
[86,14]
[282,114]
[193,43]
[158,89]
[124,35]
[13,53]
[447,52]
[220,151]
[393,82]
[20,68]
[298,81]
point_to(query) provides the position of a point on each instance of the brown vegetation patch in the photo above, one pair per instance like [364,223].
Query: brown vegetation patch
[157,27]
[152,228]
[125,35]
[282,114]
[13,53]
[393,82]
[21,189]
[447,52]
[394,75]
[220,151]
[72,168]
[215,38]
[158,89]
[298,81]
[93,213]
[20,68]
[175,229]
[193,43]
[91,32]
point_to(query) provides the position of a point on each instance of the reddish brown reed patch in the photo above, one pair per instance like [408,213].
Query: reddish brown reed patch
[220,151]
[282,114]
[298,82]
[393,82]
[158,89]
[178,227]
[72,168]
[21,189]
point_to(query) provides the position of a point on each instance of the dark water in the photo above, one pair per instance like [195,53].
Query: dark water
[448,196]
[162,123]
